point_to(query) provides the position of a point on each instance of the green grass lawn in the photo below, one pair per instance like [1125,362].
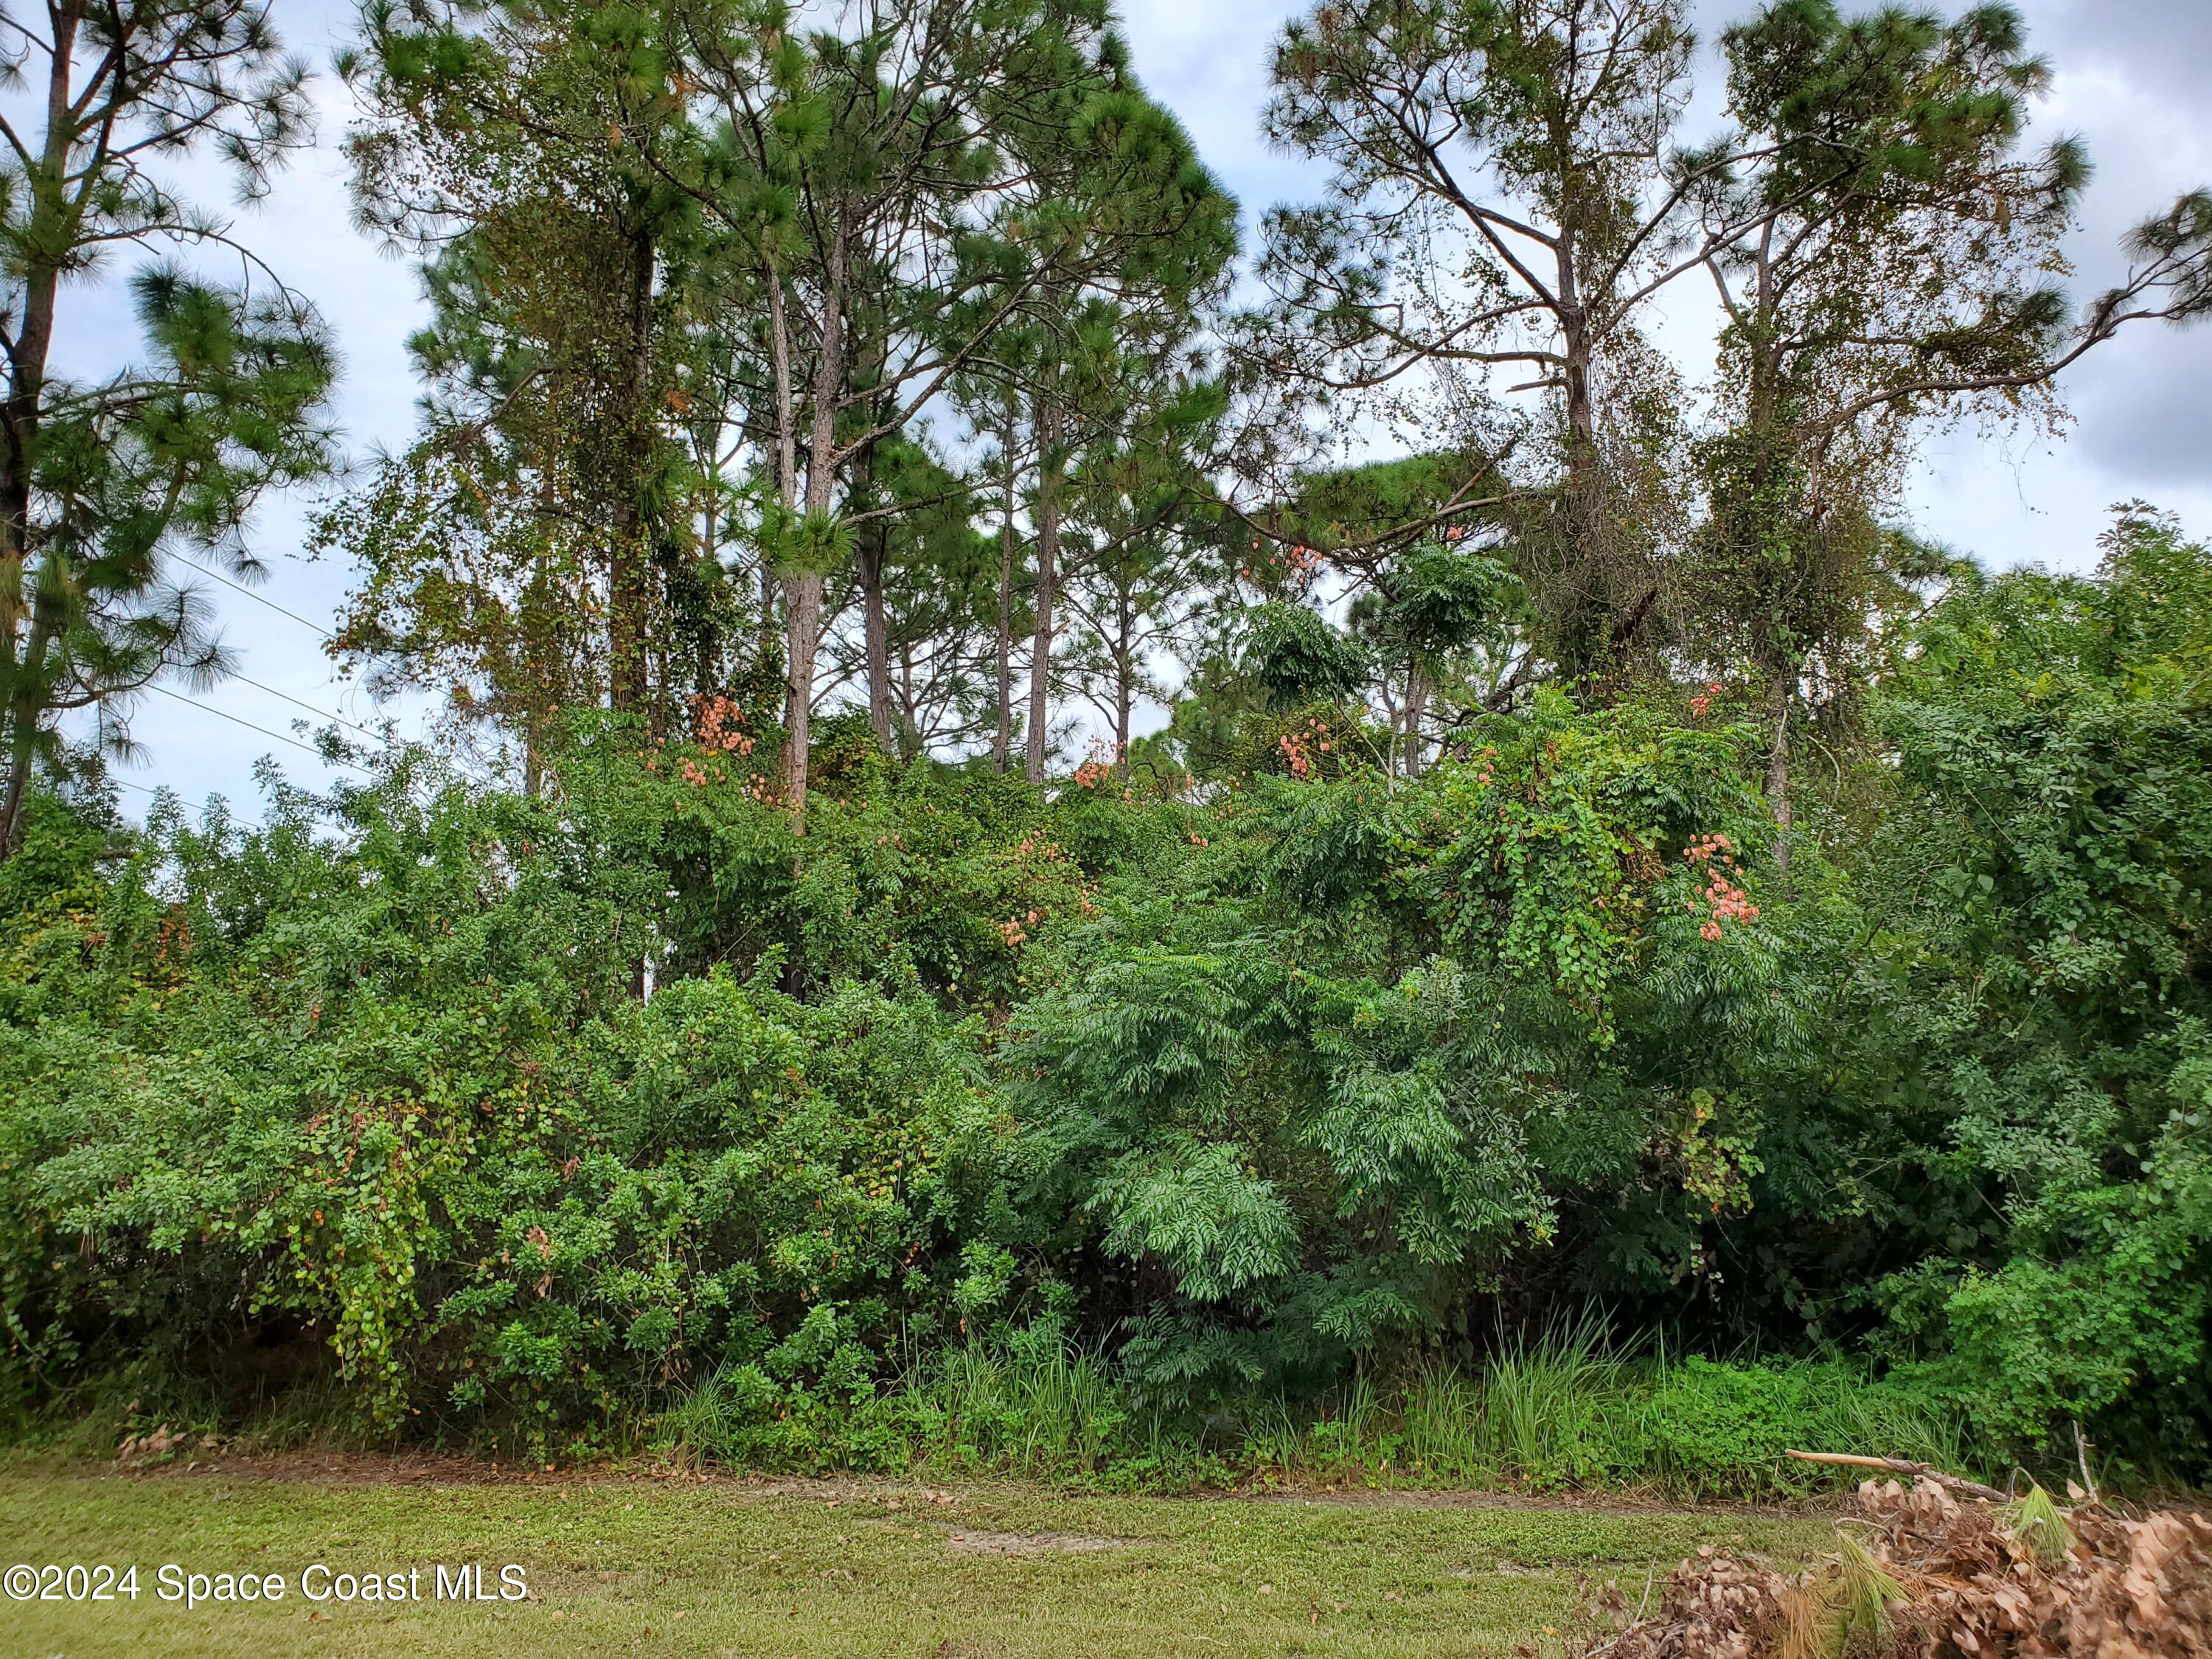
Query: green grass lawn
[688,1567]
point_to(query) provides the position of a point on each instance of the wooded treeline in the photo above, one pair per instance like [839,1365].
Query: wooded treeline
[1596,850]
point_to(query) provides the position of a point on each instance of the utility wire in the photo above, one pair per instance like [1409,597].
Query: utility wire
[200,811]
[209,708]
[317,628]
[296,617]
[125,783]
[340,718]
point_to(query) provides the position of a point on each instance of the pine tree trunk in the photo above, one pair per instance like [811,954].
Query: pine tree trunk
[22,645]
[803,588]
[21,749]
[1581,619]
[626,579]
[21,648]
[1047,574]
[787,447]
[1002,741]
[802,602]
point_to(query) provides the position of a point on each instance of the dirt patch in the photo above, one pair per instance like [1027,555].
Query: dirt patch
[332,1466]
[1502,1568]
[320,1468]
[1032,1543]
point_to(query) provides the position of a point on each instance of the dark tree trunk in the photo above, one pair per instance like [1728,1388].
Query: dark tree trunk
[20,738]
[1047,575]
[803,588]
[626,579]
[1778,698]
[22,644]
[1002,741]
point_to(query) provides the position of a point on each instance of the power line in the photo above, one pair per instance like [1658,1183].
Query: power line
[316,627]
[200,811]
[340,718]
[296,617]
[209,708]
[125,783]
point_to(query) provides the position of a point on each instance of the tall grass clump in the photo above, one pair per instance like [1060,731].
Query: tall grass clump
[1555,1408]
[1444,1425]
[1042,1408]
[1036,1407]
[1546,1410]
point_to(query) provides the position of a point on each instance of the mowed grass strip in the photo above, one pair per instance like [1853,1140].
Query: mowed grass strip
[628,1566]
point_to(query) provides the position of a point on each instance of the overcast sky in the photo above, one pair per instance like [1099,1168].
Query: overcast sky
[2128,79]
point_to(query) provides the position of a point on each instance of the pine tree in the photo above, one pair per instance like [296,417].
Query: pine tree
[1883,262]
[525,148]
[98,479]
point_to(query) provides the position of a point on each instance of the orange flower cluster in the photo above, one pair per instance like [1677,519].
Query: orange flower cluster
[1296,565]
[719,725]
[1723,896]
[1704,700]
[1057,876]
[1099,768]
[1299,748]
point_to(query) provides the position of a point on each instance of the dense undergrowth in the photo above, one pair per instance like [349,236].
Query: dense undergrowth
[1150,1129]
[1552,1414]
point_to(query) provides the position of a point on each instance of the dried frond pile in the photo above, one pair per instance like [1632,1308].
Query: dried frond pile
[1925,1575]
